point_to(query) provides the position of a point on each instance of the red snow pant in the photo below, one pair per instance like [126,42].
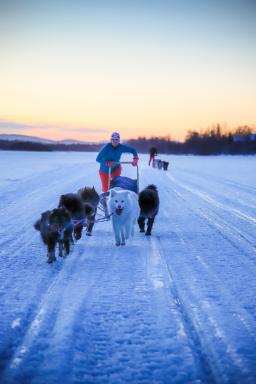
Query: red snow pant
[151,157]
[104,178]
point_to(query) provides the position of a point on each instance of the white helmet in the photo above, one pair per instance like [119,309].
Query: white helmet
[115,136]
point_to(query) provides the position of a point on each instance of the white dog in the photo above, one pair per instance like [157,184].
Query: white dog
[124,209]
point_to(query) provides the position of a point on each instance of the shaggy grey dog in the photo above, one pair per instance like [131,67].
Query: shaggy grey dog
[90,199]
[55,228]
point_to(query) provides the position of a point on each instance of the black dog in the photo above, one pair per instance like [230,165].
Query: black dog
[55,227]
[90,199]
[149,205]
[165,165]
[74,205]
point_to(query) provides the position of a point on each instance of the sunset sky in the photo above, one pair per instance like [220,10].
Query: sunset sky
[82,69]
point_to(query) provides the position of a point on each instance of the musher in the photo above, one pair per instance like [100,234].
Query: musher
[152,154]
[109,157]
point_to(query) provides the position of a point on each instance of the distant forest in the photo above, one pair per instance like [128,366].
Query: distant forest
[15,145]
[214,141]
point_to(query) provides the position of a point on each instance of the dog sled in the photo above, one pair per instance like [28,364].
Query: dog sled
[119,183]
[160,164]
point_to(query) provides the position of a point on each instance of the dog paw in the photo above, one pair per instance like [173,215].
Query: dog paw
[88,234]
[49,261]
[123,243]
[142,230]
[148,233]
[117,243]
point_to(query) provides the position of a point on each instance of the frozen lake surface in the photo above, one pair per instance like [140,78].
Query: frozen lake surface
[178,307]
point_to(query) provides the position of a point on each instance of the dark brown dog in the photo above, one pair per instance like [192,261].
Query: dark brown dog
[90,199]
[74,205]
[149,205]
[55,227]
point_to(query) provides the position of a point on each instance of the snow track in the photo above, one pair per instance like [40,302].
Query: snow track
[178,307]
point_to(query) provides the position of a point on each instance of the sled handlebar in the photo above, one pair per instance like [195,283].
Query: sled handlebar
[122,162]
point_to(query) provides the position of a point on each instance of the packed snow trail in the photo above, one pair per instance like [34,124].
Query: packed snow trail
[178,307]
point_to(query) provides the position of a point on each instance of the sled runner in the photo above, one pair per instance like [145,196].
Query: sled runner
[119,182]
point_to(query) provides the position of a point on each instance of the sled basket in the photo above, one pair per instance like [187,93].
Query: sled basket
[122,182]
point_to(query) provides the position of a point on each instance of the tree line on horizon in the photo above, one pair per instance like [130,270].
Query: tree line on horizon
[212,141]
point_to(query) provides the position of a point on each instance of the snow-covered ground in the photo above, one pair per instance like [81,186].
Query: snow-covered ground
[179,307]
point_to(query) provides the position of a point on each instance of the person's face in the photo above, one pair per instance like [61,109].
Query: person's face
[115,142]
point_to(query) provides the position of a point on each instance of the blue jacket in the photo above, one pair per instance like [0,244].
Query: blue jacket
[110,153]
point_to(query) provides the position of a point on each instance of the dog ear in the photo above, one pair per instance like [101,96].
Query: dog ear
[45,215]
[61,201]
[112,192]
[37,225]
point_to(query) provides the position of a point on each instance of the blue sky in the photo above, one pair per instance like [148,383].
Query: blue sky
[141,67]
